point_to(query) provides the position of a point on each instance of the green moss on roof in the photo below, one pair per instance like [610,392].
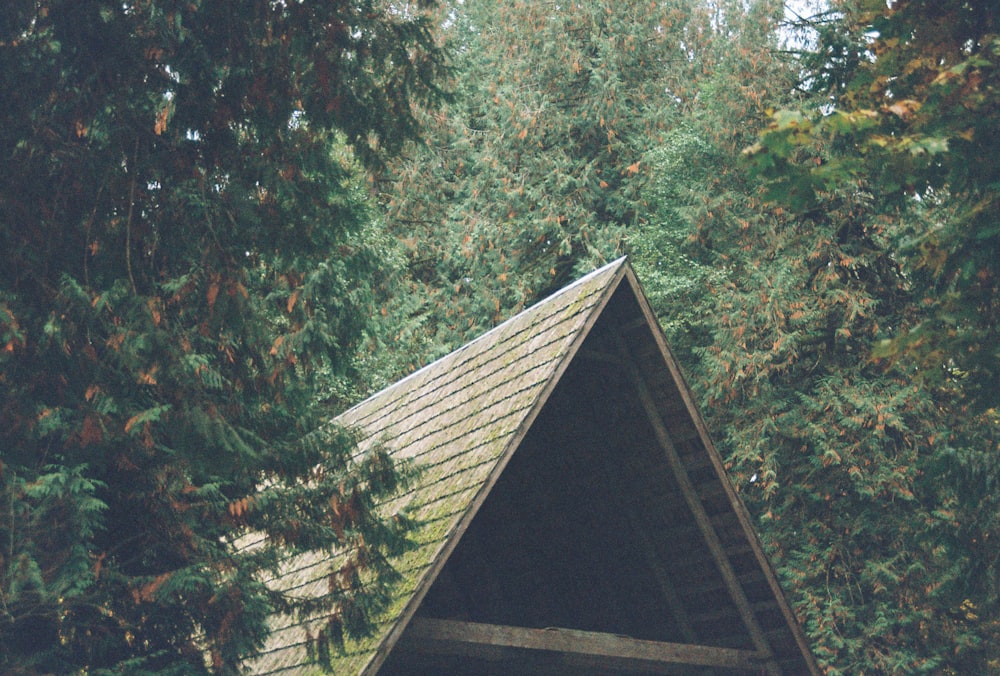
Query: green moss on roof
[456,419]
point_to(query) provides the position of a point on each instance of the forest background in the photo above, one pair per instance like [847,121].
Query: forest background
[221,230]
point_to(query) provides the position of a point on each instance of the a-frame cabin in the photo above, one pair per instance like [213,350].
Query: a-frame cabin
[576,517]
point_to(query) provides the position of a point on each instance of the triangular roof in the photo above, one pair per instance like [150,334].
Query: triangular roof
[575,514]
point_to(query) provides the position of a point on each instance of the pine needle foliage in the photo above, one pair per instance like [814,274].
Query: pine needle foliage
[190,265]
[531,175]
[866,473]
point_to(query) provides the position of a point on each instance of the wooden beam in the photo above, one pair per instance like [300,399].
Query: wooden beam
[701,517]
[663,581]
[597,650]
[659,337]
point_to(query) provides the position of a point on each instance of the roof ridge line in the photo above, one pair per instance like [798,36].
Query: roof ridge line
[582,280]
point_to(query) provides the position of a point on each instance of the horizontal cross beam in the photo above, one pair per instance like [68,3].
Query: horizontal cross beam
[596,649]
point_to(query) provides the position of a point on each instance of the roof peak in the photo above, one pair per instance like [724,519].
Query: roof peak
[485,336]
[569,415]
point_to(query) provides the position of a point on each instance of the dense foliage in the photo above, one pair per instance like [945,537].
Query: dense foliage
[532,174]
[912,116]
[908,129]
[827,448]
[839,455]
[830,290]
[189,267]
[198,267]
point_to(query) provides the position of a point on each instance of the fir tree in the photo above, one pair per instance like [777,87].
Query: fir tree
[531,176]
[189,268]
[850,460]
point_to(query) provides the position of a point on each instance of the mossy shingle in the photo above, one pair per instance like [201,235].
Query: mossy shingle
[456,419]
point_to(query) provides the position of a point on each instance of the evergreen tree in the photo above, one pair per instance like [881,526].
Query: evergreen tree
[531,175]
[910,93]
[868,484]
[186,276]
[909,118]
[733,73]
[838,455]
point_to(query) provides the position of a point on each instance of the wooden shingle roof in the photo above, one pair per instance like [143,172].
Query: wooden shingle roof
[575,517]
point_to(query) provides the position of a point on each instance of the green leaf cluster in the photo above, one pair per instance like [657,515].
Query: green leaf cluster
[911,114]
[192,261]
[788,288]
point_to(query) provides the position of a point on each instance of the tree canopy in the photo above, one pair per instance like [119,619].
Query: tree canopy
[191,259]
[911,116]
[219,228]
[903,129]
[816,268]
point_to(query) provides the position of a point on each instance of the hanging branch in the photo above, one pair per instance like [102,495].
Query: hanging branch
[128,221]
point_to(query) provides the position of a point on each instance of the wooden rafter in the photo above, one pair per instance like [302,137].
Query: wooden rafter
[703,521]
[463,418]
[653,560]
[607,651]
